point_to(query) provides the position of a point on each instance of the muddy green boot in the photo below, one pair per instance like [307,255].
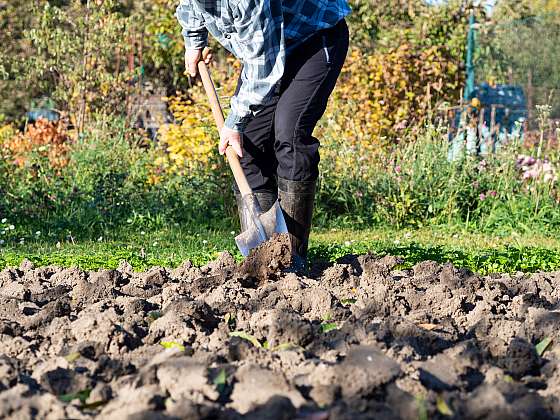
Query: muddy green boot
[296,200]
[266,200]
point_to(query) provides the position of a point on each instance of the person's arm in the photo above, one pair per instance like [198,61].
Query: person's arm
[259,26]
[194,32]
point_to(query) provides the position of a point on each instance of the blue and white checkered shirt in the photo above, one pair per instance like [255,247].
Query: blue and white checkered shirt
[259,33]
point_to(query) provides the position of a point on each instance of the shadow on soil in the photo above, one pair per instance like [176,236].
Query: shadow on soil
[509,259]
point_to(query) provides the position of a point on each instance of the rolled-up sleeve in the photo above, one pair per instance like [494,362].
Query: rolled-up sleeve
[259,26]
[194,32]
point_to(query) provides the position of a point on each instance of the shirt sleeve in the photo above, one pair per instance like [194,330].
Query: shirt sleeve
[194,32]
[259,26]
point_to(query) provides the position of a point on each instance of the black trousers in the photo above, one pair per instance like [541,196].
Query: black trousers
[279,141]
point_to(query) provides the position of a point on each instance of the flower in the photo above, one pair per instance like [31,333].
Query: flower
[547,167]
[38,233]
[550,177]
[4,220]
[398,169]
[2,241]
[401,125]
[492,193]
[530,174]
[12,227]
[482,196]
[204,241]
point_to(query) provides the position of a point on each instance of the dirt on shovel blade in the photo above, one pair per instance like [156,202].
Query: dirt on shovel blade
[357,340]
[268,258]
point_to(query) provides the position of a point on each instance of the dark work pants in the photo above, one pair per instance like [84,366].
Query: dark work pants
[278,141]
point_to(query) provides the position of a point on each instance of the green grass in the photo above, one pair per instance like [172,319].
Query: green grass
[481,253]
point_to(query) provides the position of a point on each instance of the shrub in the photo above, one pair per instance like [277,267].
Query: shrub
[190,142]
[108,181]
[43,138]
[383,95]
[416,185]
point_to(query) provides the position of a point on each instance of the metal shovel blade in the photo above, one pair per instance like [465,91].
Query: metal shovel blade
[261,226]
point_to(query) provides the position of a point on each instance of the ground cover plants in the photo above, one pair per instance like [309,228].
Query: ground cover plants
[481,253]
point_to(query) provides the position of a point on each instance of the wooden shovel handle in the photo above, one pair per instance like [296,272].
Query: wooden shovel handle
[218,113]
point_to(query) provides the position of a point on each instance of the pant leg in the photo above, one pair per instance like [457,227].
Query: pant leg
[259,159]
[311,73]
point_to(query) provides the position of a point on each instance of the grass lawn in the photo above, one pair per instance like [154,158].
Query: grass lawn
[482,253]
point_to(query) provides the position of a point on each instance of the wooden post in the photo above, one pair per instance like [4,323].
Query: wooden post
[493,127]
[83,105]
[117,62]
[480,126]
[529,97]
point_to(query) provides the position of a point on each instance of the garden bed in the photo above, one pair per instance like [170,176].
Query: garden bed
[361,338]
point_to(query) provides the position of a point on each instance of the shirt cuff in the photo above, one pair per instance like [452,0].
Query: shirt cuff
[196,41]
[237,122]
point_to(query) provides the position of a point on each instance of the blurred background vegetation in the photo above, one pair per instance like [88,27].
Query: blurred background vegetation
[126,140]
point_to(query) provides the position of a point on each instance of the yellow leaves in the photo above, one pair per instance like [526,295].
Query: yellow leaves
[105,87]
[6,132]
[381,93]
[187,144]
[191,142]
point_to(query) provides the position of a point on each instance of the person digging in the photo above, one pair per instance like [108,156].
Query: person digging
[292,53]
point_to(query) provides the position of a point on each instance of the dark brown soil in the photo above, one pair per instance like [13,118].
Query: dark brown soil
[355,340]
[268,258]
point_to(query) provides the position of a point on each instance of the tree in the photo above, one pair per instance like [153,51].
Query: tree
[522,46]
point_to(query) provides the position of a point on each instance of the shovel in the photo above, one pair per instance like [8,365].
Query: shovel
[262,225]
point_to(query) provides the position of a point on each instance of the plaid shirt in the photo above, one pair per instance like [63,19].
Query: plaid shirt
[259,33]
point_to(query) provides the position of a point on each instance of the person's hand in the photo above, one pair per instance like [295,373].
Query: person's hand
[229,137]
[192,58]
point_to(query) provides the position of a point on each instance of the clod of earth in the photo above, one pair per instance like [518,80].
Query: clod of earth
[357,339]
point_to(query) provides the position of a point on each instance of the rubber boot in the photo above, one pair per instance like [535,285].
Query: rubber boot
[266,200]
[296,200]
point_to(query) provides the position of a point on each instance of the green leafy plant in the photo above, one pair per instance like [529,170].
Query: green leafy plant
[348,302]
[230,320]
[72,357]
[328,326]
[220,381]
[246,336]
[443,407]
[421,407]
[172,345]
[543,345]
[79,395]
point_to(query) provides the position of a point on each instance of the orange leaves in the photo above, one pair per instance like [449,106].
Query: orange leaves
[47,139]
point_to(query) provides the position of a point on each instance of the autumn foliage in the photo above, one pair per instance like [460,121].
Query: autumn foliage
[45,139]
[381,95]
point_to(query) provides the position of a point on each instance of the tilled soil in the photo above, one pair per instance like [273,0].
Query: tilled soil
[359,339]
